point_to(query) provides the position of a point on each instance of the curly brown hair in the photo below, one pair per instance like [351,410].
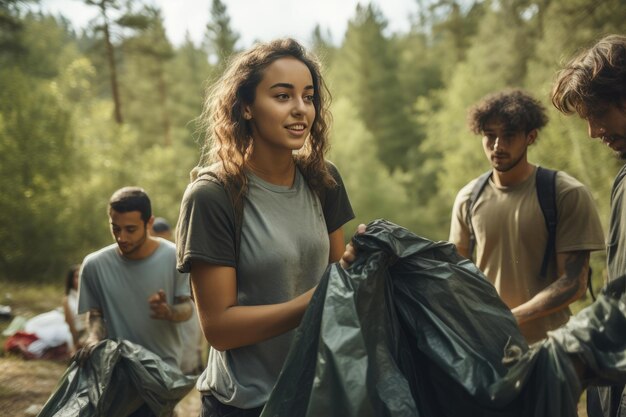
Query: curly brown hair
[593,79]
[514,108]
[228,134]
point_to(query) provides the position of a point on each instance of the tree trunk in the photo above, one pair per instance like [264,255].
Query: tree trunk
[112,68]
[163,99]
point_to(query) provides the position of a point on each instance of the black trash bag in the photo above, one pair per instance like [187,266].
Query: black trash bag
[414,329]
[116,380]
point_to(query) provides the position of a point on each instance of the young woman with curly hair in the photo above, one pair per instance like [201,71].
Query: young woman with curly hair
[267,123]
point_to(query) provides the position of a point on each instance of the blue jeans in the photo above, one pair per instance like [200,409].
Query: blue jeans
[211,407]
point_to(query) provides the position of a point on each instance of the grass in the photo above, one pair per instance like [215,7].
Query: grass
[31,298]
[27,383]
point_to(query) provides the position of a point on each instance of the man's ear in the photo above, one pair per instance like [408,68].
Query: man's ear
[532,136]
[150,222]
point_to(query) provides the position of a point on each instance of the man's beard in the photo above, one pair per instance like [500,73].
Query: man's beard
[512,165]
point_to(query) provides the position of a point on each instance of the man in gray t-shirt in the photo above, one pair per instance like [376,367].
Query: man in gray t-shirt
[131,289]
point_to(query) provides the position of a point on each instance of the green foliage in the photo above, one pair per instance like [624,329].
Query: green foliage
[366,69]
[145,82]
[450,27]
[62,157]
[166,186]
[322,45]
[35,163]
[136,20]
[399,136]
[190,69]
[10,29]
[373,192]
[220,38]
[44,46]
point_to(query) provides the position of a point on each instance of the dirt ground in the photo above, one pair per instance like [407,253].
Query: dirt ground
[26,385]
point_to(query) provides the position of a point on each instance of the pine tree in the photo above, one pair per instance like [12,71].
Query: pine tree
[190,69]
[368,75]
[107,27]
[147,55]
[322,45]
[220,38]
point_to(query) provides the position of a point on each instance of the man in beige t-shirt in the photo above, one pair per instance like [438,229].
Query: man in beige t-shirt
[509,226]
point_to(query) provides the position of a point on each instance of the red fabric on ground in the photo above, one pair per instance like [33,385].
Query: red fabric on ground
[20,340]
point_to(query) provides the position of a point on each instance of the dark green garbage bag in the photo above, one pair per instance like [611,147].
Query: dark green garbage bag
[414,329]
[116,380]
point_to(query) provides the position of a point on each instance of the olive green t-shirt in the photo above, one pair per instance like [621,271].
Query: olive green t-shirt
[511,239]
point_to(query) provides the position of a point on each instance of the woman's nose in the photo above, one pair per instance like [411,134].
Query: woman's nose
[298,106]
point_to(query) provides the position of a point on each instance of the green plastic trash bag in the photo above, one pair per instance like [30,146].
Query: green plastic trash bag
[116,380]
[414,329]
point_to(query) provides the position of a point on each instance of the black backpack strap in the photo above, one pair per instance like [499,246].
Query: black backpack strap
[546,193]
[589,286]
[479,186]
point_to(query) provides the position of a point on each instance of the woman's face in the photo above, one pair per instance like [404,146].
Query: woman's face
[282,113]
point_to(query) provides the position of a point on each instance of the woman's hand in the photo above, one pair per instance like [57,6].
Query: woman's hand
[350,253]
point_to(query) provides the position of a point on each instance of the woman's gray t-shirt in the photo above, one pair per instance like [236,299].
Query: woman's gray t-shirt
[284,252]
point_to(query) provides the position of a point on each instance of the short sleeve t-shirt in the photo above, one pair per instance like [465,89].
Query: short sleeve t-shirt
[511,238]
[120,288]
[284,252]
[616,242]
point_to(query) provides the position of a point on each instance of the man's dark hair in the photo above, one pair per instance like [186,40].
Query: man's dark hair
[160,225]
[594,79]
[131,199]
[515,109]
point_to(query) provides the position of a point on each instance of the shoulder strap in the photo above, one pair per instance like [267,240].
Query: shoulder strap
[589,286]
[546,194]
[237,203]
[479,186]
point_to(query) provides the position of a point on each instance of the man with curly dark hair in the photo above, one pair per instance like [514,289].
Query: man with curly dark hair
[506,223]
[593,85]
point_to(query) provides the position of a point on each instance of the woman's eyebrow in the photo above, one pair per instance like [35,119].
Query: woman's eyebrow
[288,85]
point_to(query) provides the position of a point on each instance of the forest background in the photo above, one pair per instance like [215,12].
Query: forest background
[82,114]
